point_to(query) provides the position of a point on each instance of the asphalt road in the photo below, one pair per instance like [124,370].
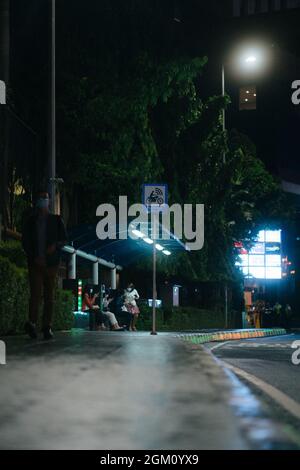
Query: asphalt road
[266,365]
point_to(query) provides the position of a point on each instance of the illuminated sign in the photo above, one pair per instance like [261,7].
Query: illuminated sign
[79,295]
[264,259]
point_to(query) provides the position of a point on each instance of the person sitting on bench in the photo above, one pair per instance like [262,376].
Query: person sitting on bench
[90,305]
[114,325]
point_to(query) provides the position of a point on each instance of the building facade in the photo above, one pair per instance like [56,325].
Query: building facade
[254,7]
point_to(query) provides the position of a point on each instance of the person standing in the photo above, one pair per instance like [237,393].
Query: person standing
[43,236]
[287,316]
[278,312]
[131,296]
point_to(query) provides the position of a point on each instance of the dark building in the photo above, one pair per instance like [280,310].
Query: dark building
[255,7]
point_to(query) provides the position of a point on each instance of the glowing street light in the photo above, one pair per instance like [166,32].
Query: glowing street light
[166,252]
[138,234]
[159,247]
[249,59]
[148,240]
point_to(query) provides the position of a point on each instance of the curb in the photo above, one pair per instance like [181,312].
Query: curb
[201,338]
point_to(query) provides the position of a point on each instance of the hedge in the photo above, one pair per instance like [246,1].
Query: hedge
[180,319]
[14,297]
[13,251]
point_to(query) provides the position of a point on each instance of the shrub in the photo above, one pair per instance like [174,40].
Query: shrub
[64,308]
[181,319]
[14,297]
[13,251]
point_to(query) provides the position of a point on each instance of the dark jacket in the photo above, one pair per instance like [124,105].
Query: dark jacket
[55,234]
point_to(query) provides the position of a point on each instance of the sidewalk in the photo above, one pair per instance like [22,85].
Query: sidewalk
[105,390]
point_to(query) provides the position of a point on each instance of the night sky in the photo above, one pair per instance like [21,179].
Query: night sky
[201,30]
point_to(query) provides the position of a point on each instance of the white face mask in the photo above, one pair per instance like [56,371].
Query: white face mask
[42,203]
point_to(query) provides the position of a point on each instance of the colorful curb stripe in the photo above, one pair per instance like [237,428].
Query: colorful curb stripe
[200,338]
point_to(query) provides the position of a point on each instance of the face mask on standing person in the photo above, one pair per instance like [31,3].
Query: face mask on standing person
[42,203]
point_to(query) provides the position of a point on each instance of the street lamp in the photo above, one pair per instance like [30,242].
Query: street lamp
[249,59]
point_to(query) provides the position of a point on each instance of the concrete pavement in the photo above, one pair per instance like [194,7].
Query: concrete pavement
[106,390]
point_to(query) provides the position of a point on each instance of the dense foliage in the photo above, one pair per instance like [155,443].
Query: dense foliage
[14,297]
[132,108]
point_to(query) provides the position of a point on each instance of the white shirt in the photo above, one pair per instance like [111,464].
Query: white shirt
[131,296]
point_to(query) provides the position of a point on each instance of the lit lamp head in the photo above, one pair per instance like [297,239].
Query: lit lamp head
[251,58]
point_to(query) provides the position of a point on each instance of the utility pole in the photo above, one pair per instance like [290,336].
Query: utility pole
[52,117]
[4,76]
[154,224]
[224,163]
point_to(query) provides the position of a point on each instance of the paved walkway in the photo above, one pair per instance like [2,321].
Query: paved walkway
[106,390]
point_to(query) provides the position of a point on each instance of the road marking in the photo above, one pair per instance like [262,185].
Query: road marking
[262,345]
[279,397]
[218,345]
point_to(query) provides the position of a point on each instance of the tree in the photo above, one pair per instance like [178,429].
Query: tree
[4,118]
[130,113]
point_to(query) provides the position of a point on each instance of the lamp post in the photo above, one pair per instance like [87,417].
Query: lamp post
[224,163]
[250,60]
[52,117]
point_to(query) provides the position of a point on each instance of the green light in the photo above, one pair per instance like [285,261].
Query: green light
[79,295]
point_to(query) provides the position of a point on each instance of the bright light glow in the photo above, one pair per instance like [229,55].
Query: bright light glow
[251,59]
[256,260]
[166,252]
[258,272]
[273,260]
[139,234]
[158,303]
[258,249]
[261,236]
[273,273]
[148,240]
[159,247]
[262,262]
[245,270]
[273,236]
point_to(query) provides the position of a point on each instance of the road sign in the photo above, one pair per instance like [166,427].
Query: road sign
[155,196]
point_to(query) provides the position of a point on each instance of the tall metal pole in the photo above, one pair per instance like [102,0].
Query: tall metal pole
[224,162]
[223,111]
[52,155]
[154,294]
[4,76]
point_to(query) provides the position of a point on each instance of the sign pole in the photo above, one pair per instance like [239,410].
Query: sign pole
[154,294]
